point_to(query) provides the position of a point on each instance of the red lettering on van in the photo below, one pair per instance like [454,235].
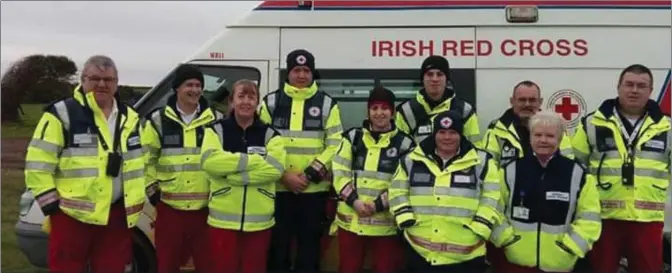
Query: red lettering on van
[402,48]
[216,55]
[481,48]
[543,47]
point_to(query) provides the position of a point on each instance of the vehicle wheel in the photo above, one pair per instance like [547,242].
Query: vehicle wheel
[144,257]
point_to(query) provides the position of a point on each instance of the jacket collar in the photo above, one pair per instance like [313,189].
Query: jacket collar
[202,103]
[509,118]
[300,93]
[231,122]
[428,146]
[652,109]
[448,93]
[88,100]
[378,136]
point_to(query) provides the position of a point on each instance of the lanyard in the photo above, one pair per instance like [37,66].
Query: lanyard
[630,137]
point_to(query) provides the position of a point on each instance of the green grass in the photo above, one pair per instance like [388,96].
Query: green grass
[26,126]
[13,259]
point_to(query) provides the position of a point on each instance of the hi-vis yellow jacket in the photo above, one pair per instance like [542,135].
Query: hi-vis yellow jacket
[455,207]
[66,161]
[363,169]
[175,150]
[414,116]
[245,200]
[310,123]
[551,214]
[602,146]
[501,139]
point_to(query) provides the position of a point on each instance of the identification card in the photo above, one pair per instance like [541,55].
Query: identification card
[521,213]
[425,129]
[82,139]
[260,150]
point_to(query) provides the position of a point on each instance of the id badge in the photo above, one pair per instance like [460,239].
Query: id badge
[521,213]
[628,174]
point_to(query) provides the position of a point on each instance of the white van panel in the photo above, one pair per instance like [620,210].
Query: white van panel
[387,48]
[242,44]
[576,47]
[590,86]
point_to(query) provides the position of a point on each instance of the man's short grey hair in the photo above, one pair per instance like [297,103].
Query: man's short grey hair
[101,62]
[548,118]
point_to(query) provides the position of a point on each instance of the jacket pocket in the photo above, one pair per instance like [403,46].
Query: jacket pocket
[266,193]
[222,191]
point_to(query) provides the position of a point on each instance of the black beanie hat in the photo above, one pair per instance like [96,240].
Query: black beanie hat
[435,62]
[187,72]
[381,94]
[300,57]
[448,120]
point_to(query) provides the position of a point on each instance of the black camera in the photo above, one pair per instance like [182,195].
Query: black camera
[113,164]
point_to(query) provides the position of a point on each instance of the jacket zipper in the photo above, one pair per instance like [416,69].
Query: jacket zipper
[541,212]
[242,218]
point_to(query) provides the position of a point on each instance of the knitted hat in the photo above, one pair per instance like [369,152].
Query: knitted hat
[435,62]
[187,72]
[381,94]
[300,57]
[448,120]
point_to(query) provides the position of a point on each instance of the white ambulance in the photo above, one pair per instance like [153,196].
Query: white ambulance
[574,50]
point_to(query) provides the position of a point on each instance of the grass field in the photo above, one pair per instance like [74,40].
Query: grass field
[13,142]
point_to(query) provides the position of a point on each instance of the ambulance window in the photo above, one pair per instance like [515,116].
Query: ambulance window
[218,81]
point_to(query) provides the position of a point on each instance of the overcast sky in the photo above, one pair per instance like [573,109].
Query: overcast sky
[146,39]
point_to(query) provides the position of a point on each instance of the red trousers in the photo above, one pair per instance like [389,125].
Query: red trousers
[178,235]
[73,244]
[237,251]
[640,242]
[386,252]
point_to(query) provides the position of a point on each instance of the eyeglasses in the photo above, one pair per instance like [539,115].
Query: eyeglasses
[97,79]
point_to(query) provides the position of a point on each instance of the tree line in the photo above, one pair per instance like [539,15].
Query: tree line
[42,79]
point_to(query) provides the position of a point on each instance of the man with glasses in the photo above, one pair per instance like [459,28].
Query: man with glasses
[508,137]
[626,143]
[85,167]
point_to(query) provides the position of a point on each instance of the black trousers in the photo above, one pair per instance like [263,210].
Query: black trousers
[301,216]
[418,264]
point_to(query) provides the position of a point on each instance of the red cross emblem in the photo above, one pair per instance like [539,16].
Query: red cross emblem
[566,108]
[446,122]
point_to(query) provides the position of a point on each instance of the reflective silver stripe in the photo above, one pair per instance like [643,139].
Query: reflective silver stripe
[269,135]
[74,152]
[303,151]
[275,163]
[62,111]
[407,112]
[658,174]
[130,175]
[406,144]
[326,109]
[179,168]
[581,157]
[45,146]
[578,240]
[419,139]
[77,204]
[466,110]
[652,155]
[341,160]
[40,166]
[242,162]
[482,156]
[591,133]
[532,227]
[487,201]
[342,173]
[270,102]
[245,177]
[369,191]
[47,198]
[180,151]
[219,130]
[597,156]
[151,150]
[333,129]
[399,184]
[491,186]
[230,217]
[373,175]
[399,200]
[510,179]
[497,231]
[469,193]
[589,216]
[156,120]
[574,187]
[408,164]
[137,153]
[444,211]
[332,142]
[77,173]
[302,134]
[206,154]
